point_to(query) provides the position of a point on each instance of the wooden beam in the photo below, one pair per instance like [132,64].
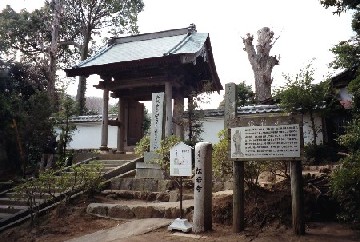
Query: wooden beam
[135,83]
[114,123]
[138,92]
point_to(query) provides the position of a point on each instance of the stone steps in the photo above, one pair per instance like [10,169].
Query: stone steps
[109,162]
[38,196]
[6,185]
[167,196]
[10,209]
[4,215]
[13,208]
[16,202]
[140,209]
[142,184]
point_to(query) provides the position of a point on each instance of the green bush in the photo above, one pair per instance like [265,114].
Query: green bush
[351,138]
[317,154]
[345,186]
[164,152]
[51,182]
[142,146]
[222,167]
[345,181]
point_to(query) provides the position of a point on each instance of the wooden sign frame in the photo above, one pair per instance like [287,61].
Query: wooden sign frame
[297,196]
[273,124]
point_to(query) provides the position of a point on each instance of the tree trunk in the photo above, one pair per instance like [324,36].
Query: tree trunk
[313,127]
[53,48]
[80,95]
[81,90]
[261,62]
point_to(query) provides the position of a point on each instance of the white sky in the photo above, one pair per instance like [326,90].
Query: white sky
[306,30]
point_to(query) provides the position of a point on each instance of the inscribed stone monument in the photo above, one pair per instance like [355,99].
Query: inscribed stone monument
[202,220]
[157,120]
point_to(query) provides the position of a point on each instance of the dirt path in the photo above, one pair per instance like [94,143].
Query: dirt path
[72,221]
[316,232]
[124,231]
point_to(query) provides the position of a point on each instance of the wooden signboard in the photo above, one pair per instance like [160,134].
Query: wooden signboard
[266,137]
[180,160]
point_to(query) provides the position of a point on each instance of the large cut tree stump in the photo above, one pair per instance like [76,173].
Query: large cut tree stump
[261,62]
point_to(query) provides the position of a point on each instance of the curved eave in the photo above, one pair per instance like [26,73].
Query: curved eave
[216,82]
[121,66]
[112,69]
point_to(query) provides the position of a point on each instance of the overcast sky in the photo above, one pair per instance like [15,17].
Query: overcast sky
[305,29]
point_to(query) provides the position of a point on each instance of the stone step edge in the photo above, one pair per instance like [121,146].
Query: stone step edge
[159,210]
[168,196]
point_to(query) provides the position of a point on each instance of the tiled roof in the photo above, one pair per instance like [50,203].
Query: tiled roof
[250,109]
[342,79]
[254,109]
[152,45]
[91,118]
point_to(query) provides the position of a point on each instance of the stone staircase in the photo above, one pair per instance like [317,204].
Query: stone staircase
[14,209]
[138,198]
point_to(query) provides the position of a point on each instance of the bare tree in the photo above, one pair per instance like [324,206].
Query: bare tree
[261,61]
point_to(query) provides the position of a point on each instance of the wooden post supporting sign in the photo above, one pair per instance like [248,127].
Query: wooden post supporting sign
[267,138]
[297,197]
[238,197]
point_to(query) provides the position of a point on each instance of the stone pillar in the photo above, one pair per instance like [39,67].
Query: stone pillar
[105,118]
[202,218]
[121,128]
[178,113]
[147,169]
[168,110]
[230,103]
[156,120]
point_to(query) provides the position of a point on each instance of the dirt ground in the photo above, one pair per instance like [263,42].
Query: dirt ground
[267,218]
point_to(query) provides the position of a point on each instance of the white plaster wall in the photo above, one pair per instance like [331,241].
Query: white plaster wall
[307,130]
[344,94]
[212,126]
[88,136]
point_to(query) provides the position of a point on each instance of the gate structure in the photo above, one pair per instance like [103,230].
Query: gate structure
[178,62]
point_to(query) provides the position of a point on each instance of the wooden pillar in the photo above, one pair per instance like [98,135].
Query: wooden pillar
[105,118]
[178,113]
[168,110]
[230,113]
[121,129]
[238,197]
[126,121]
[297,198]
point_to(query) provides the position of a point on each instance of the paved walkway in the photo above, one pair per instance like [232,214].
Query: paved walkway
[125,230]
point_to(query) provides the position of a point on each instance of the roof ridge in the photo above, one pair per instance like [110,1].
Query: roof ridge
[148,36]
